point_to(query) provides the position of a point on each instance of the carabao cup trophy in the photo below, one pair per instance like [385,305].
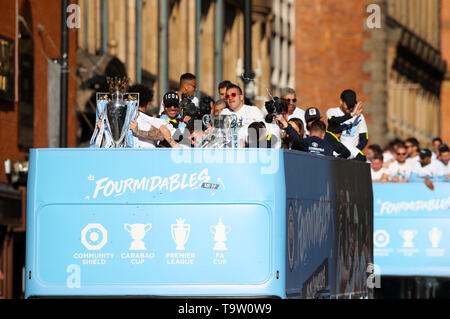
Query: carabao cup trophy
[115,111]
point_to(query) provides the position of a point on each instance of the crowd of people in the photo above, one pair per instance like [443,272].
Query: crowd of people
[405,161]
[283,124]
[343,134]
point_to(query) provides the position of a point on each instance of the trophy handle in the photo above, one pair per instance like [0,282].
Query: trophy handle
[212,229]
[147,227]
[127,227]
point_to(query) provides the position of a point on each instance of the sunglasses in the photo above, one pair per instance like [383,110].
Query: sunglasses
[173,106]
[291,100]
[227,96]
[401,154]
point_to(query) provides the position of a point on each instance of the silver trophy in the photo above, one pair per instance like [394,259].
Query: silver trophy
[223,132]
[116,110]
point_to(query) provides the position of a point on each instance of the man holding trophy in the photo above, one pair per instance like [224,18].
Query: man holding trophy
[122,122]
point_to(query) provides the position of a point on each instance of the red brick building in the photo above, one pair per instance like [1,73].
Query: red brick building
[395,68]
[30,35]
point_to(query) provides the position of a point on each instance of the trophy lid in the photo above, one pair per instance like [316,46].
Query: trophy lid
[117,84]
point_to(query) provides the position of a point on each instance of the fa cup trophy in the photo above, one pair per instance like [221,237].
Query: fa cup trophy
[115,111]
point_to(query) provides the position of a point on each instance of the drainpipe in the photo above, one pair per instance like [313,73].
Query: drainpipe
[138,41]
[105,27]
[248,72]
[198,17]
[219,40]
[64,84]
[163,28]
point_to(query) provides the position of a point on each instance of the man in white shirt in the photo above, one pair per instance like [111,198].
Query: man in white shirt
[426,167]
[148,130]
[377,171]
[412,148]
[293,111]
[444,158]
[349,116]
[400,170]
[246,114]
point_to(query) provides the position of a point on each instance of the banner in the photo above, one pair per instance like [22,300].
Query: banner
[412,229]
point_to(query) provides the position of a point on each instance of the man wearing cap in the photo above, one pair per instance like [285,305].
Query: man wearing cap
[171,114]
[146,129]
[426,169]
[311,114]
[349,116]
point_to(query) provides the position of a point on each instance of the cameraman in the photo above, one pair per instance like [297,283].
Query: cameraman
[354,128]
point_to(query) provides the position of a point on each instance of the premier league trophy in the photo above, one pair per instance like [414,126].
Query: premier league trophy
[115,114]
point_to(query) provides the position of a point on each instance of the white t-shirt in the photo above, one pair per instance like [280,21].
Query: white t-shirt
[413,161]
[350,128]
[245,116]
[401,170]
[161,106]
[144,123]
[434,169]
[376,175]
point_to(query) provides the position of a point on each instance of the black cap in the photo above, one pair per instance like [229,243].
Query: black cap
[349,97]
[312,113]
[171,99]
[424,153]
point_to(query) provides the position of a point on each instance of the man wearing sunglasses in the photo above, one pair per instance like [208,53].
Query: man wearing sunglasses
[290,96]
[400,170]
[246,114]
[171,114]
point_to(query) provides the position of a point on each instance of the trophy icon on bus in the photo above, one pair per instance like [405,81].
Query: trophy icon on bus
[408,236]
[220,231]
[137,233]
[435,236]
[180,233]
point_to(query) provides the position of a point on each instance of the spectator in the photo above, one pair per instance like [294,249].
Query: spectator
[289,95]
[444,157]
[219,106]
[427,169]
[349,116]
[390,152]
[332,136]
[377,171]
[412,148]
[400,170]
[297,125]
[223,88]
[259,137]
[188,85]
[372,150]
[436,142]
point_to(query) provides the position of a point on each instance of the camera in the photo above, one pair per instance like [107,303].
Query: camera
[187,107]
[276,106]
